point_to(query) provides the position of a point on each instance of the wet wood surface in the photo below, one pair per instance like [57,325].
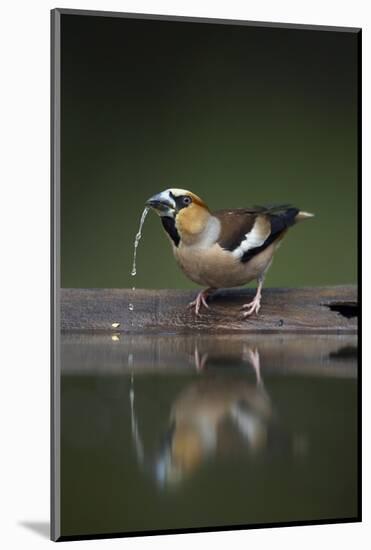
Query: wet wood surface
[322,310]
[115,354]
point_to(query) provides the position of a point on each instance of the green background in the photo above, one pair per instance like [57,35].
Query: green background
[239,115]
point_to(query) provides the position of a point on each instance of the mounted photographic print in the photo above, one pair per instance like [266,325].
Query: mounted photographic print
[205,181]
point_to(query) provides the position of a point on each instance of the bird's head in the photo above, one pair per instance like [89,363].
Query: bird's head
[180,458]
[172,201]
[184,215]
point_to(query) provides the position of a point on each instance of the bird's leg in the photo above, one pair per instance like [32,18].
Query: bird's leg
[200,360]
[254,305]
[200,300]
[252,355]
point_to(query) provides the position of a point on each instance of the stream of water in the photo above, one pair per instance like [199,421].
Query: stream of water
[138,236]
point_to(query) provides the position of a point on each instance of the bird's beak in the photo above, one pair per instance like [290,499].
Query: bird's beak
[162,202]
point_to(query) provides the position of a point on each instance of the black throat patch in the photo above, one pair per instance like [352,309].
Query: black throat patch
[169,226]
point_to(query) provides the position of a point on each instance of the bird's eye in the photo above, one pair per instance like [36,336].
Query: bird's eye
[187,200]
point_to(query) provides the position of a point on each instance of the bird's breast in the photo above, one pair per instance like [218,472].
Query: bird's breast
[218,268]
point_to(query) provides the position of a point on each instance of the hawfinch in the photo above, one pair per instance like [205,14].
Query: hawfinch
[226,248]
[212,417]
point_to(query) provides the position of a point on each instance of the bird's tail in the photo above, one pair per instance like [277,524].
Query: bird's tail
[303,216]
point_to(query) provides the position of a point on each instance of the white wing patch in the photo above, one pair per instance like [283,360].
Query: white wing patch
[256,237]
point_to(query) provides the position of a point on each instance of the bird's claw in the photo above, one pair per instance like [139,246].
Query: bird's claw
[252,355]
[252,307]
[200,360]
[199,302]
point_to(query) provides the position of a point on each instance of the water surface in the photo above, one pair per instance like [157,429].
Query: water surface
[173,432]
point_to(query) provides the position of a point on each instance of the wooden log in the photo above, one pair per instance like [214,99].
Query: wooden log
[326,310]
[118,354]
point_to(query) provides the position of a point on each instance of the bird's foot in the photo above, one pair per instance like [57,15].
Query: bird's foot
[199,301]
[200,360]
[252,307]
[252,355]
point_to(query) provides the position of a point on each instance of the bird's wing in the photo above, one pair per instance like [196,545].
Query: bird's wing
[247,231]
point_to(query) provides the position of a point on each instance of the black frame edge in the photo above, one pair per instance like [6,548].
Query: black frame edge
[216,21]
[359,262]
[130,534]
[55,278]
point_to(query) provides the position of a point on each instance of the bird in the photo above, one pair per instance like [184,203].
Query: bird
[224,248]
[211,417]
[216,415]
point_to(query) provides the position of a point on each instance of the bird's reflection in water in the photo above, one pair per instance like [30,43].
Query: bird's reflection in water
[217,415]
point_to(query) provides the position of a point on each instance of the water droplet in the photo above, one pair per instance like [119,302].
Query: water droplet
[131,307]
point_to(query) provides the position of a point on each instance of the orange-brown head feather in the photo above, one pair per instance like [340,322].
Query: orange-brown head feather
[184,214]
[191,221]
